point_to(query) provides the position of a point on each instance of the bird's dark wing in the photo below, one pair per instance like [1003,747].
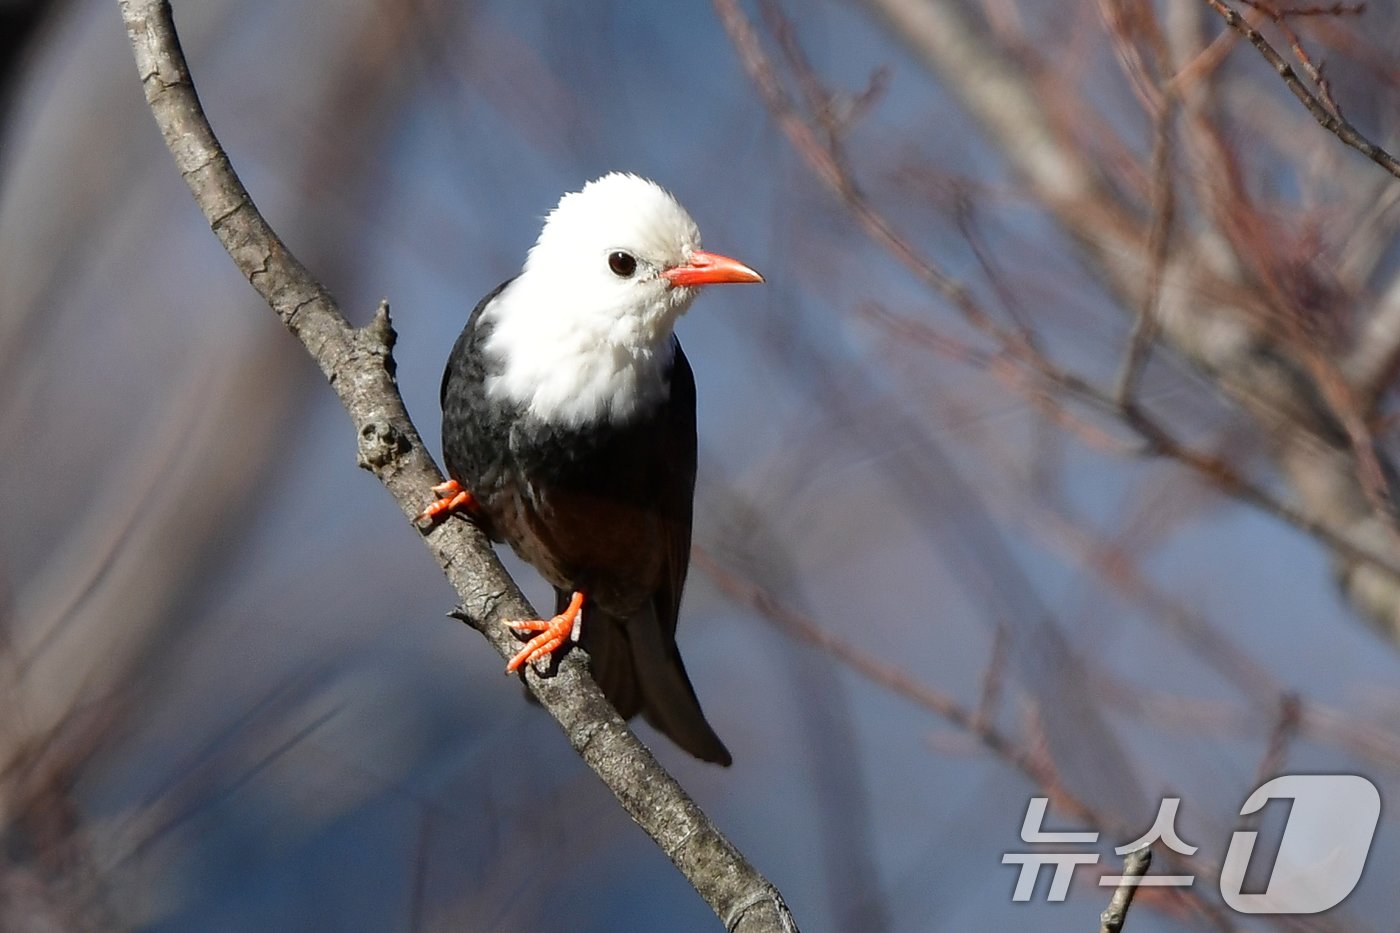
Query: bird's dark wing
[458,360]
[677,498]
[668,699]
[474,431]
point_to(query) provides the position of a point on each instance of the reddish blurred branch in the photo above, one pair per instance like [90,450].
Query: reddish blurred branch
[359,365]
[1270,313]
[1178,241]
[1027,755]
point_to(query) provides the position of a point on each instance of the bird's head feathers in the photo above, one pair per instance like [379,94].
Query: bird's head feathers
[586,328]
[605,248]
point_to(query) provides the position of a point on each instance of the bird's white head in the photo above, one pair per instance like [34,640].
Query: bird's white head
[585,331]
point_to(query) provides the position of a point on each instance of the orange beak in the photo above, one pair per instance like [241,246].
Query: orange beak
[710,269]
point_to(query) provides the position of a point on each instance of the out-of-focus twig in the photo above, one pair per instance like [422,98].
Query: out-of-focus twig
[1157,439]
[1163,215]
[1013,343]
[1029,757]
[1251,317]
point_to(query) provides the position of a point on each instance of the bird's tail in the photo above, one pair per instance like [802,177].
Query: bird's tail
[639,669]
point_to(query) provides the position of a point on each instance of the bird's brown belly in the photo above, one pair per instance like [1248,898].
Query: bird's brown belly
[612,550]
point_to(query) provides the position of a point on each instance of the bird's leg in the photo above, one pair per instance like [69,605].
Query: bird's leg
[552,633]
[451,498]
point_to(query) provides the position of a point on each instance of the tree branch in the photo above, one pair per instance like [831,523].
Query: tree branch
[1209,307]
[1329,119]
[1135,865]
[358,363]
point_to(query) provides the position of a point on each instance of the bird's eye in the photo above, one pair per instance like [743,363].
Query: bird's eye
[622,264]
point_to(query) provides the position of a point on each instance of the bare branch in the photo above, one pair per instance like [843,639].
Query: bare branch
[358,363]
[1326,118]
[1029,756]
[1290,719]
[1310,68]
[1144,330]
[1040,377]
[1135,865]
[1270,350]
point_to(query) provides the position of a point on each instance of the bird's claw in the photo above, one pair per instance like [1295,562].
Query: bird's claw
[553,633]
[451,498]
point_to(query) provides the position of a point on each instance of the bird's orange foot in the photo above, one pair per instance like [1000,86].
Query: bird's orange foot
[451,498]
[552,634]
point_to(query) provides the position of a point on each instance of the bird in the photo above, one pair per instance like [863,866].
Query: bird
[569,433]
